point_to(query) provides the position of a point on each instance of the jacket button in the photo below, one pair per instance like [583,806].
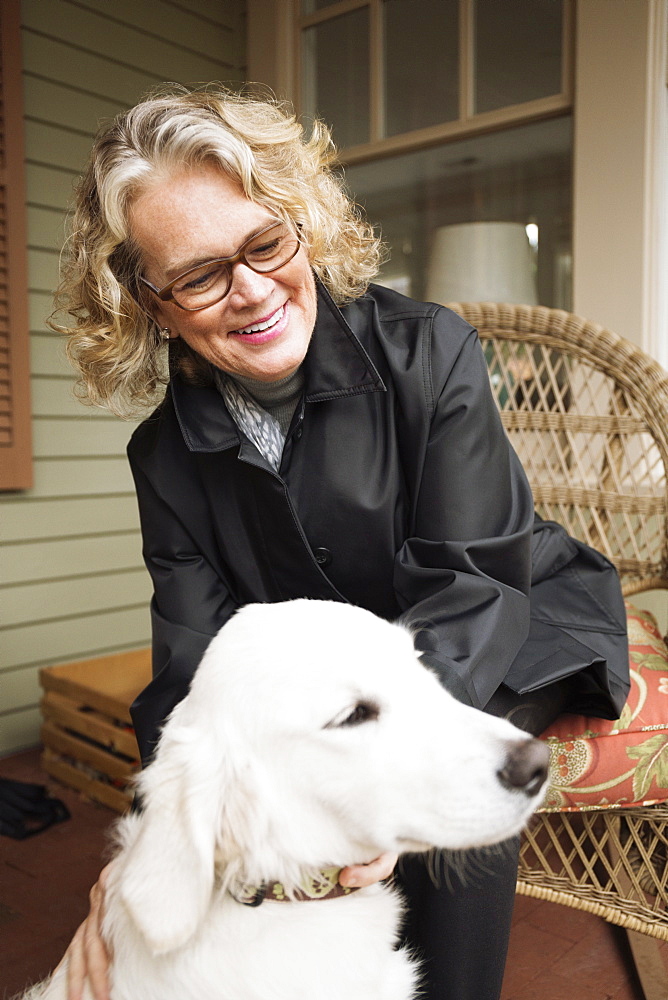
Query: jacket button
[299,432]
[323,556]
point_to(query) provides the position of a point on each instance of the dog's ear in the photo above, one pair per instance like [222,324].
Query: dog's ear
[168,870]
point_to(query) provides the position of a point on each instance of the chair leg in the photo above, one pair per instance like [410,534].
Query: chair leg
[651,969]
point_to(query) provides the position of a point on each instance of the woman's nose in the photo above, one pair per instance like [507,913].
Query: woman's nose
[249,285]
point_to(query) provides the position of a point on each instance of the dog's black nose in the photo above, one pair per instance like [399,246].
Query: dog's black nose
[526,767]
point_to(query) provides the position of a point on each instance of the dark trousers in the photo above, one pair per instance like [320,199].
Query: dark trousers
[460,910]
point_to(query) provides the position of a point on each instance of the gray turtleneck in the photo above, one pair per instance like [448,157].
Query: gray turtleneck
[278,398]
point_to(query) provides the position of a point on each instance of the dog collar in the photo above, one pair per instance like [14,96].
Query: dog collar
[323,884]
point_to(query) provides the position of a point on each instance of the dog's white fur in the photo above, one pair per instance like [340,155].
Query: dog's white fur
[259,776]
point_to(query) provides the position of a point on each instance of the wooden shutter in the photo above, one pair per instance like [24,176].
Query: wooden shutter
[15,437]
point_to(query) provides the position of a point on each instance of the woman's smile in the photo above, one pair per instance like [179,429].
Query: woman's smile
[265,330]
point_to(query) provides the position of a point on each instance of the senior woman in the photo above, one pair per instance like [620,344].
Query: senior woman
[320,437]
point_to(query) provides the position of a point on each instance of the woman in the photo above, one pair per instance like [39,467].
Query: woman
[319,438]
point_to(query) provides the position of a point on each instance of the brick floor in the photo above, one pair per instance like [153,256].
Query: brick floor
[44,881]
[555,953]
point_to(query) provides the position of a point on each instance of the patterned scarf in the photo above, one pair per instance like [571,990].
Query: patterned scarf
[258,425]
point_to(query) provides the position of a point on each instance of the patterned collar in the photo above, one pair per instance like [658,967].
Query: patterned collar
[323,884]
[259,426]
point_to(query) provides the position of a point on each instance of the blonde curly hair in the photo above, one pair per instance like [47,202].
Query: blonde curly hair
[113,341]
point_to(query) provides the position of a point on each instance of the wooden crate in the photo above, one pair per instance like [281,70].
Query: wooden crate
[89,743]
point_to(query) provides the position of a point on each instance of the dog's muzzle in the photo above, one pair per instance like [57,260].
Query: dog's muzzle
[526,767]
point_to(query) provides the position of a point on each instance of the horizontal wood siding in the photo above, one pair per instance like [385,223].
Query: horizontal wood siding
[72,581]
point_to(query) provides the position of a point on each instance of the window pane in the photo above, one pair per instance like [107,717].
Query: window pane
[517,51]
[421,63]
[424,204]
[309,6]
[335,70]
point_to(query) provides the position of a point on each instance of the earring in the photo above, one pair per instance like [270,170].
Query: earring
[165,332]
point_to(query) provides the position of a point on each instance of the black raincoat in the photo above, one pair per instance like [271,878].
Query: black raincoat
[397,491]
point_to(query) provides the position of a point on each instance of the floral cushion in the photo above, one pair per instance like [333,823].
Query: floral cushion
[598,764]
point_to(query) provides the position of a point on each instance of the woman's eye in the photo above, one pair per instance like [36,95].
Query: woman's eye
[266,249]
[197,282]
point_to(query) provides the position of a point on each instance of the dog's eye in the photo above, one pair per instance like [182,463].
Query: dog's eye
[364,711]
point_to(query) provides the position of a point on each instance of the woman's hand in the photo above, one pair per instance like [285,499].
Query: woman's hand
[87,955]
[356,876]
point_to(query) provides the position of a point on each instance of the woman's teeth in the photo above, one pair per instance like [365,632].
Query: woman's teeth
[258,327]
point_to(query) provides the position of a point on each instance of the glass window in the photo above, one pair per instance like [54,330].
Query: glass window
[517,51]
[310,6]
[335,67]
[487,217]
[421,63]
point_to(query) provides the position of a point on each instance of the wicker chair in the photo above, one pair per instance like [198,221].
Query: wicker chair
[588,414]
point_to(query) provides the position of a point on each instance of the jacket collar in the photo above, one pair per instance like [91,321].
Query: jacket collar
[336,365]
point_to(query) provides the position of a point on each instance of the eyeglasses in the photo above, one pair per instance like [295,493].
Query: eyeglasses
[203,286]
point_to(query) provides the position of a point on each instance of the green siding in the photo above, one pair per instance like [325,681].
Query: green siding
[34,519]
[72,581]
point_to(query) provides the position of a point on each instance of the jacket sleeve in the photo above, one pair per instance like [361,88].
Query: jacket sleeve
[190,604]
[462,578]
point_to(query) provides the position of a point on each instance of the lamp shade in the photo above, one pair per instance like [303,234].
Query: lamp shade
[482,262]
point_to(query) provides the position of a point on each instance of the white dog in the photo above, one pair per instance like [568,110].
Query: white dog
[312,738]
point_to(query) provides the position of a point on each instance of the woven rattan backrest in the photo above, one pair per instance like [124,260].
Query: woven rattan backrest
[587,412]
